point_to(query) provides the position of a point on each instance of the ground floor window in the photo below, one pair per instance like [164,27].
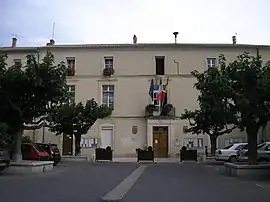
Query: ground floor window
[106,137]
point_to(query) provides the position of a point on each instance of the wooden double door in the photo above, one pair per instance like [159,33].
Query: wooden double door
[160,141]
[67,144]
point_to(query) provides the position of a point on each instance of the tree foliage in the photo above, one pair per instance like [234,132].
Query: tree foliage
[214,115]
[27,91]
[238,93]
[77,119]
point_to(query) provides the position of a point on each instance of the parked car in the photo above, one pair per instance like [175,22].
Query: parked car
[4,159]
[53,151]
[32,151]
[229,153]
[263,152]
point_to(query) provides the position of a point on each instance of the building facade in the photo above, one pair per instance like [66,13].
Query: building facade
[136,66]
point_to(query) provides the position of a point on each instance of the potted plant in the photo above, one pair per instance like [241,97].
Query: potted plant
[104,154]
[108,71]
[167,109]
[71,71]
[150,109]
[146,154]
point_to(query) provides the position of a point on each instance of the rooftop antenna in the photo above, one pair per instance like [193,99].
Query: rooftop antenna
[53,30]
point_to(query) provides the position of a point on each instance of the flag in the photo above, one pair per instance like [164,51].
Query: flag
[151,89]
[165,96]
[160,93]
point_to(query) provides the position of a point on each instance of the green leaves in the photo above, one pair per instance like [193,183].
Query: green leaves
[34,86]
[77,119]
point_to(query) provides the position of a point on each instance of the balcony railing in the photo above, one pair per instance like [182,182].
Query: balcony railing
[152,111]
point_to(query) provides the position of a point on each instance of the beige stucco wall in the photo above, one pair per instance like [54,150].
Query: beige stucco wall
[134,69]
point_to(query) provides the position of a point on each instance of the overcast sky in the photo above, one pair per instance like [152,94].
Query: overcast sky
[116,21]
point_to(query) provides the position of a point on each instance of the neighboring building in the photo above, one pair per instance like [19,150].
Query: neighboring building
[127,91]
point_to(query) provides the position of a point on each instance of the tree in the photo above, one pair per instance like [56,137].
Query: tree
[76,119]
[247,87]
[214,116]
[27,91]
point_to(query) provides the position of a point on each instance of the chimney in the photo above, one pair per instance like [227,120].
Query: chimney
[52,42]
[234,40]
[14,42]
[175,37]
[134,39]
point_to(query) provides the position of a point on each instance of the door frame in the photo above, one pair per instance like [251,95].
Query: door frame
[167,130]
[108,126]
[63,144]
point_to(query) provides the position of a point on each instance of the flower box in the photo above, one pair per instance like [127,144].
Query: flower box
[188,155]
[145,155]
[103,154]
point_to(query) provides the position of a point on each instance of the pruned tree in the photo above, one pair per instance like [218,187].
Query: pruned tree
[76,119]
[247,87]
[215,116]
[26,91]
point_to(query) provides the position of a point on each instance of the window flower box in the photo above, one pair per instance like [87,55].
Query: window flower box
[108,71]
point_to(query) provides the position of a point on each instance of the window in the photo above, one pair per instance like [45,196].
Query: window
[193,142]
[71,66]
[71,92]
[160,65]
[108,61]
[108,95]
[211,62]
[17,62]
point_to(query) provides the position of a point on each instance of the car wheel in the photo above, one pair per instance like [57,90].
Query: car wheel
[233,159]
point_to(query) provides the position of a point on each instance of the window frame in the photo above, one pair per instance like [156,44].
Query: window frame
[111,65]
[211,58]
[108,96]
[71,59]
[155,59]
[70,90]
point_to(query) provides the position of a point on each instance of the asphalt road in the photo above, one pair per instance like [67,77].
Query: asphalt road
[191,182]
[72,182]
[89,182]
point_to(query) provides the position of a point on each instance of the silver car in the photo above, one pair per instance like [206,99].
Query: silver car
[263,152]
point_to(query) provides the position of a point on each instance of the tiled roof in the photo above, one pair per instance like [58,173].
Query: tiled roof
[136,46]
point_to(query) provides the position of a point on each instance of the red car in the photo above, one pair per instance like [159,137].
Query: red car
[34,152]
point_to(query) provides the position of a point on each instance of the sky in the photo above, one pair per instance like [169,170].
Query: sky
[116,21]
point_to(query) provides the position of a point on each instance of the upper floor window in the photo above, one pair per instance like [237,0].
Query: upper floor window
[71,92]
[71,66]
[17,62]
[160,65]
[211,62]
[108,62]
[108,95]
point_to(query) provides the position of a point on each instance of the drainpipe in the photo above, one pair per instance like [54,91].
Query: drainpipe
[177,66]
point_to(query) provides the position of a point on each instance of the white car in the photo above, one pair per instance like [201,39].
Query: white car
[229,153]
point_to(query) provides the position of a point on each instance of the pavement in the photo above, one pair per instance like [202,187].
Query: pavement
[132,182]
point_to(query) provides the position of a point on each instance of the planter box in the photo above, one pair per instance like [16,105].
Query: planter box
[243,170]
[145,155]
[30,167]
[103,154]
[188,155]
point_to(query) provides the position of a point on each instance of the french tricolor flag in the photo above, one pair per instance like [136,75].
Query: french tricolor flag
[161,93]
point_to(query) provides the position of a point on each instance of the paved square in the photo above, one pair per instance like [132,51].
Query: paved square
[72,182]
[89,182]
[191,182]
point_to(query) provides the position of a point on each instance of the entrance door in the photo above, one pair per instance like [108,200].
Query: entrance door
[160,141]
[106,138]
[67,144]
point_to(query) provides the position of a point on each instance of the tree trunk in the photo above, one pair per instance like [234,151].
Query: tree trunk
[17,152]
[252,132]
[77,145]
[213,141]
